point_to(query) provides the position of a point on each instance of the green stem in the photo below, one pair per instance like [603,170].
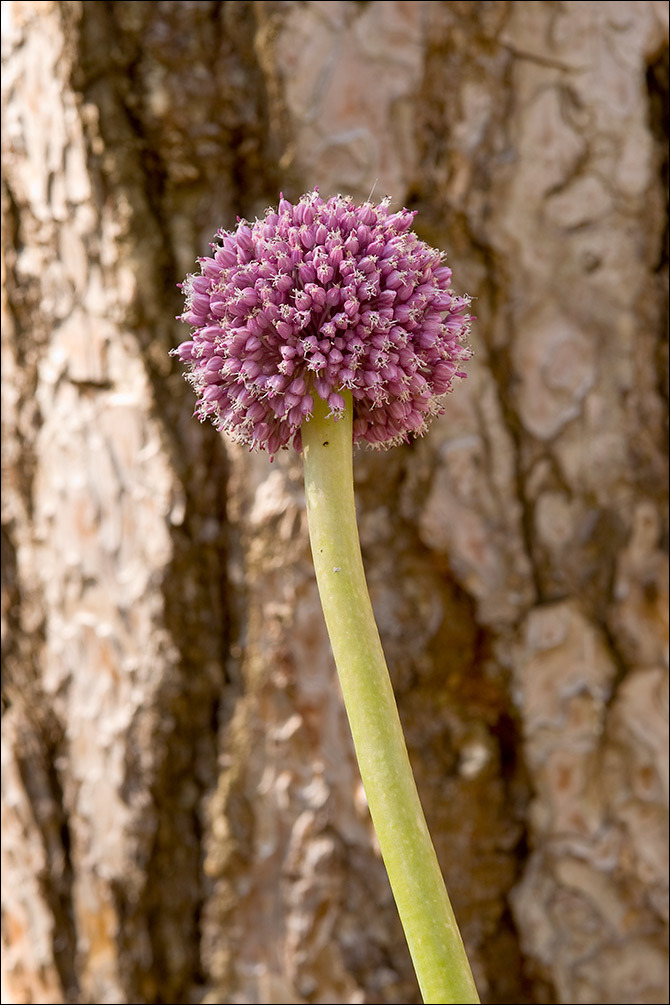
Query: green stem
[430,927]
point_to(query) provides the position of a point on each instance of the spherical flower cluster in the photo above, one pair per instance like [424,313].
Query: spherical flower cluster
[315,298]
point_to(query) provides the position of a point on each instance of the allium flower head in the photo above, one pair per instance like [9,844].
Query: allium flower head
[315,298]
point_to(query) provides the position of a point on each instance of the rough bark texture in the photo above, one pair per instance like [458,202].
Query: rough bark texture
[183,820]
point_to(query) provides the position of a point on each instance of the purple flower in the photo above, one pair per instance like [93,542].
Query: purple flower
[315,298]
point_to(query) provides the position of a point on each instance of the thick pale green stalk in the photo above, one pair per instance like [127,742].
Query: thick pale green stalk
[428,920]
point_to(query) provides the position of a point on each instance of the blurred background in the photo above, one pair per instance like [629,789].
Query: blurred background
[183,820]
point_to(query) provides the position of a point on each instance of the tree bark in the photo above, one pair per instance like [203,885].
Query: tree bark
[182,815]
